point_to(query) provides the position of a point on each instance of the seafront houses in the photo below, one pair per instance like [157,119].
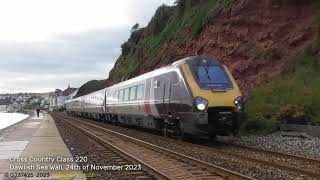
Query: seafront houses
[60,97]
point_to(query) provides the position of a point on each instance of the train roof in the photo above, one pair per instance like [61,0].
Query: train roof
[197,60]
[146,75]
[74,99]
[96,92]
[193,60]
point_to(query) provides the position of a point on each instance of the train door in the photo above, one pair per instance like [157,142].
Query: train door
[166,92]
[157,95]
[133,100]
[146,103]
[161,90]
[107,102]
[114,102]
[105,110]
[82,104]
[175,98]
[180,100]
[140,99]
[148,106]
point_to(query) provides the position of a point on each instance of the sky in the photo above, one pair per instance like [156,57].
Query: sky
[49,44]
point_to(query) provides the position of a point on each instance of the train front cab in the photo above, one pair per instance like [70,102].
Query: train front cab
[218,104]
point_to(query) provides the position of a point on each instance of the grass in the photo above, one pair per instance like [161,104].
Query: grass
[184,19]
[127,67]
[293,97]
[208,7]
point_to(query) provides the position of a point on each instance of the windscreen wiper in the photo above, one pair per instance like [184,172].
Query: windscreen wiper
[205,68]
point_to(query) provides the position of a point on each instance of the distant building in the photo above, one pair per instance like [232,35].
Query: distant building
[51,101]
[55,100]
[72,95]
[69,93]
[62,96]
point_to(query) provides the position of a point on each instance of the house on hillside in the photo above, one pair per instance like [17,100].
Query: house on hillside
[65,95]
[69,93]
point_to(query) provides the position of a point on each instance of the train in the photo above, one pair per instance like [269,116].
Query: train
[195,96]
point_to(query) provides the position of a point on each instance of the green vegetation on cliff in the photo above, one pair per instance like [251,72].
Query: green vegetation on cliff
[166,25]
[293,97]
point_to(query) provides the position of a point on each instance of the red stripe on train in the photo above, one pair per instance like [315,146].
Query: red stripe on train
[147,105]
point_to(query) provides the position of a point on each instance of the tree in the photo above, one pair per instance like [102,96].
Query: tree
[181,4]
[135,27]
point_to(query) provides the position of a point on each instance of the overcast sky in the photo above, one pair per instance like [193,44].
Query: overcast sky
[48,44]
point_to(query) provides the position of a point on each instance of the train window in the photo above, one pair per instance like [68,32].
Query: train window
[116,95]
[121,95]
[126,94]
[156,84]
[140,92]
[133,93]
[211,76]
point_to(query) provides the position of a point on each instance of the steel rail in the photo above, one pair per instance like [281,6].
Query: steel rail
[268,163]
[308,159]
[153,171]
[227,174]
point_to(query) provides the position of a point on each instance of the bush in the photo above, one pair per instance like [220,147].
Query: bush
[132,41]
[293,97]
[159,20]
[259,124]
[294,114]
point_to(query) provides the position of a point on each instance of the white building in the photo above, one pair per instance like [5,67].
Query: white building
[60,97]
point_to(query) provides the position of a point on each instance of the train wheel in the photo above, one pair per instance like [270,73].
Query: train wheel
[235,132]
[180,136]
[105,118]
[165,130]
[179,131]
[115,120]
[213,137]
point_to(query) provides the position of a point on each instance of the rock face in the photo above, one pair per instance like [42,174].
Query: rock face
[91,86]
[255,39]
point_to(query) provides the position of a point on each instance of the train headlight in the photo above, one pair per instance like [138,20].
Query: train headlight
[201,103]
[239,102]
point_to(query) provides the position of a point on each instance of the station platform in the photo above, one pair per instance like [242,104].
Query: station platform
[34,147]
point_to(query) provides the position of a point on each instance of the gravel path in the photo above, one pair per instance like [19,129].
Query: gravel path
[301,146]
[247,168]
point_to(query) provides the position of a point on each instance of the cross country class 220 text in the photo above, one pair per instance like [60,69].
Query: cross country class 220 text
[77,159]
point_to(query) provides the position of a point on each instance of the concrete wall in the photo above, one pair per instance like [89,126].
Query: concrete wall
[311,130]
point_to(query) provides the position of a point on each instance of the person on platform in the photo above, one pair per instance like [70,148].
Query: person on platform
[38,111]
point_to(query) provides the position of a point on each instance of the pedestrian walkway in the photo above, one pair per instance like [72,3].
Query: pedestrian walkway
[34,146]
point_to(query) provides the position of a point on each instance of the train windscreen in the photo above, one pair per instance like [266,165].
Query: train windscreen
[212,77]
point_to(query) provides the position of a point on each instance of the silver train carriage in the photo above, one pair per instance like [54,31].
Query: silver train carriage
[195,95]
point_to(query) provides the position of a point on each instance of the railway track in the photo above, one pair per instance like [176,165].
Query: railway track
[286,162]
[160,163]
[301,164]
